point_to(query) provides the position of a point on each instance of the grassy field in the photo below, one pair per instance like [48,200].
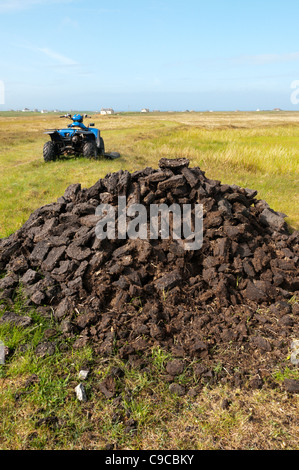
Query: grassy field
[38,407]
[258,150]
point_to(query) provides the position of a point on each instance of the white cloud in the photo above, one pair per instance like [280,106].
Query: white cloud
[67,21]
[61,59]
[263,59]
[58,60]
[208,64]
[11,6]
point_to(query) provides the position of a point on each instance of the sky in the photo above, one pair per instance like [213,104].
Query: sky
[167,55]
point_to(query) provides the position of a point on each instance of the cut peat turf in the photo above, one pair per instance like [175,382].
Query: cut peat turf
[227,312]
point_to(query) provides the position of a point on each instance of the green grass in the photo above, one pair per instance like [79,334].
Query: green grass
[39,409]
[248,154]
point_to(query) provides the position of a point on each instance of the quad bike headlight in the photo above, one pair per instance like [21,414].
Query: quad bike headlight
[75,139]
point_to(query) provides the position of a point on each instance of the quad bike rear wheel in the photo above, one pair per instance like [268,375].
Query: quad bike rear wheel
[89,150]
[101,150]
[49,151]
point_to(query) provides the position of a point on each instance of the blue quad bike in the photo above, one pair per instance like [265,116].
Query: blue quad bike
[76,139]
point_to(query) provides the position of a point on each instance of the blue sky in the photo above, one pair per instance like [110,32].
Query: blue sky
[158,54]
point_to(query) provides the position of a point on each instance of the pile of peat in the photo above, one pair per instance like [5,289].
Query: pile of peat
[225,312]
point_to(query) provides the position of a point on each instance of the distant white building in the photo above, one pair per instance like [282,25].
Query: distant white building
[25,110]
[105,111]
[145,110]
[44,111]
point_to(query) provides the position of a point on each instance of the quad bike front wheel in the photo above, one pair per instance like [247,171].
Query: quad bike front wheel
[49,151]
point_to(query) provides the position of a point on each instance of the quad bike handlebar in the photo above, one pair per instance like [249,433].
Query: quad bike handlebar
[69,116]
